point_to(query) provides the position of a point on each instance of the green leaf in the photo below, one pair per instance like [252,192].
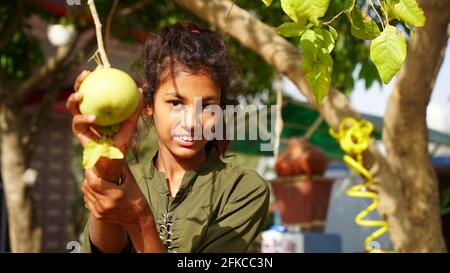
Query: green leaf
[290,29]
[317,64]
[91,153]
[389,6]
[333,32]
[316,42]
[409,12]
[318,75]
[349,5]
[111,152]
[325,39]
[311,9]
[94,150]
[308,44]
[363,26]
[267,2]
[388,52]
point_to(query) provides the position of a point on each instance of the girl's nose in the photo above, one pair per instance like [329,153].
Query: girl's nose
[192,117]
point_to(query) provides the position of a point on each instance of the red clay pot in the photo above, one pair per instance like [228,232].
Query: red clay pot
[303,202]
[301,157]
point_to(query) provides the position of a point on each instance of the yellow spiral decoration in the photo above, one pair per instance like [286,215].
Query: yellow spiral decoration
[354,137]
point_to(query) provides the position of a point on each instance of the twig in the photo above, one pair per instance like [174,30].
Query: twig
[129,10]
[314,127]
[108,23]
[98,31]
[384,10]
[376,12]
[279,118]
[334,18]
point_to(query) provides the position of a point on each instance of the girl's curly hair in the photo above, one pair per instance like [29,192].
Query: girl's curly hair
[189,47]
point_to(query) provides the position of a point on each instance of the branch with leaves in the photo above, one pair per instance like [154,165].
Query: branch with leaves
[317,38]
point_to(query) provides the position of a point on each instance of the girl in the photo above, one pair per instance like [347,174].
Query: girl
[186,199]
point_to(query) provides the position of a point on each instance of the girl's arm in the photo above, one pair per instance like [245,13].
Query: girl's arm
[117,210]
[106,237]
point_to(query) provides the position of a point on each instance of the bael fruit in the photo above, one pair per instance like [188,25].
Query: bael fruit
[109,94]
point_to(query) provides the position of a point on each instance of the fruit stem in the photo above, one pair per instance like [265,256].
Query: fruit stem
[98,31]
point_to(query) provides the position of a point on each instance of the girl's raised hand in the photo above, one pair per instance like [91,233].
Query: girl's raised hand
[84,128]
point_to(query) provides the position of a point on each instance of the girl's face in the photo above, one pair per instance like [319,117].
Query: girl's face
[181,107]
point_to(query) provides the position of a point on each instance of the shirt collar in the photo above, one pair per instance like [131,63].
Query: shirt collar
[191,180]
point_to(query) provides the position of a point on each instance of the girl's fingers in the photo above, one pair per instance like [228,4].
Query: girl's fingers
[91,206]
[95,200]
[72,103]
[105,191]
[102,204]
[81,127]
[98,184]
[127,128]
[80,79]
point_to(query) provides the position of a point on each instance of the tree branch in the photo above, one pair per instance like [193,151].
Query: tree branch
[129,10]
[52,65]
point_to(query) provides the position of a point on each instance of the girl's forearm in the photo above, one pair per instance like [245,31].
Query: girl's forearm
[107,237]
[144,235]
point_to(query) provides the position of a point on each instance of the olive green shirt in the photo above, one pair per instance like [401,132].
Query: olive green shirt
[220,207]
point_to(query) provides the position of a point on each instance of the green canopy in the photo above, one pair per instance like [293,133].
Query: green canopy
[298,117]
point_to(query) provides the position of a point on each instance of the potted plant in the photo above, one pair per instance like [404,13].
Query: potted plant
[301,191]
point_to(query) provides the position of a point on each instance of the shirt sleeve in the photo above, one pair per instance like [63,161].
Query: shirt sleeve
[242,217]
[89,247]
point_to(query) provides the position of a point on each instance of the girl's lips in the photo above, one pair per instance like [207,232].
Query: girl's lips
[184,141]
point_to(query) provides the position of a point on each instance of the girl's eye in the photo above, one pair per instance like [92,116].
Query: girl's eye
[176,104]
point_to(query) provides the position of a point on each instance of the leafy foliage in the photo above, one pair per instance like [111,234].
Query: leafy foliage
[318,39]
[20,57]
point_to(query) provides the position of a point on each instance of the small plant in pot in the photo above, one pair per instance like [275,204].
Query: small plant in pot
[301,191]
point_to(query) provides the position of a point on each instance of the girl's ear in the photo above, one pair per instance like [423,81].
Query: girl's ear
[148,110]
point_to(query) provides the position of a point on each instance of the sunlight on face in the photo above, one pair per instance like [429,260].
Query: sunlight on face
[182,112]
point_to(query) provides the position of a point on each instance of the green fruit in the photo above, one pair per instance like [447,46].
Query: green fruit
[109,94]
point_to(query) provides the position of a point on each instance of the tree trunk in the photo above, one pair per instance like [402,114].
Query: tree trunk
[388,181]
[405,132]
[24,230]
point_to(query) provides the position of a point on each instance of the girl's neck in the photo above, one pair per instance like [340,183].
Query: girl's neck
[175,167]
